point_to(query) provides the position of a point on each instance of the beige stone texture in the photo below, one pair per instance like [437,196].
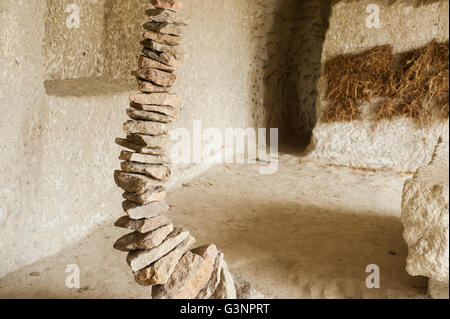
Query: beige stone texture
[138,260]
[151,151]
[148,116]
[166,39]
[145,128]
[156,76]
[137,211]
[165,27]
[148,140]
[398,144]
[160,15]
[425,210]
[153,194]
[162,57]
[159,272]
[144,158]
[168,99]
[134,183]
[164,109]
[143,225]
[159,172]
[191,274]
[138,240]
[226,288]
[214,280]
[149,87]
[173,5]
[146,63]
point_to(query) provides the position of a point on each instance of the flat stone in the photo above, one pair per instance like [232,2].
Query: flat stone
[155,46]
[161,15]
[169,99]
[143,258]
[162,38]
[144,158]
[137,240]
[145,128]
[425,217]
[162,57]
[143,225]
[226,288]
[135,183]
[160,172]
[156,76]
[173,5]
[148,140]
[164,109]
[136,211]
[214,280]
[136,114]
[191,274]
[156,151]
[147,63]
[164,27]
[159,272]
[438,289]
[149,87]
[156,194]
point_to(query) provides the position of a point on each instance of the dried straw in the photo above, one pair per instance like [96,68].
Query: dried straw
[414,84]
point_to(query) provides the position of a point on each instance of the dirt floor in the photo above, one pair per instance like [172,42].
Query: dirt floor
[308,231]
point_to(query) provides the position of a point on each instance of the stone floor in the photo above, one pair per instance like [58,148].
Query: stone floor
[308,231]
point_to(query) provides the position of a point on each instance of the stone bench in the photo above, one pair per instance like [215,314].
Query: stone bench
[425,205]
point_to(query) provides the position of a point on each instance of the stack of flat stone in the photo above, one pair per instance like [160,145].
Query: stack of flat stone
[158,253]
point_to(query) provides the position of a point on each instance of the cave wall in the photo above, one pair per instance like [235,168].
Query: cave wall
[63,95]
[397,144]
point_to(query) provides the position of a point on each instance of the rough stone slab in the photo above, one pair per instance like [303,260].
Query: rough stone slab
[159,272]
[145,128]
[149,87]
[164,109]
[143,225]
[147,63]
[155,151]
[135,183]
[136,114]
[144,158]
[137,240]
[155,46]
[168,99]
[214,280]
[156,76]
[160,172]
[162,57]
[425,217]
[226,288]
[190,275]
[164,27]
[162,38]
[154,194]
[173,5]
[161,15]
[148,141]
[136,211]
[143,258]
[438,289]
